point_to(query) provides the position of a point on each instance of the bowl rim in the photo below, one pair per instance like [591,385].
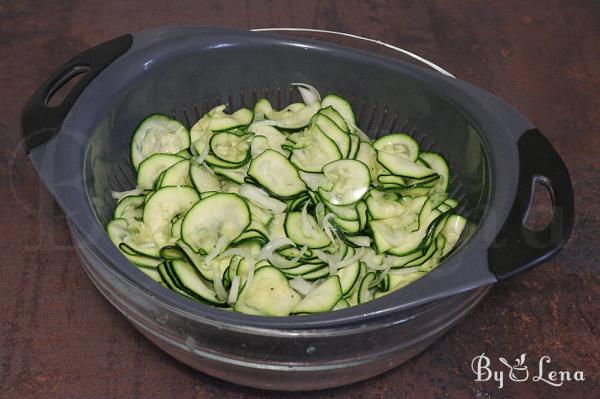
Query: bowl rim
[499,126]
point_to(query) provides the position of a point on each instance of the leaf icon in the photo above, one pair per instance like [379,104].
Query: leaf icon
[505,362]
[521,360]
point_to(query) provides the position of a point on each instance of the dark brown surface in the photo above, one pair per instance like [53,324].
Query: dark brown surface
[60,338]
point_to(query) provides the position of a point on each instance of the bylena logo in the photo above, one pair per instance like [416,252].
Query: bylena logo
[519,372]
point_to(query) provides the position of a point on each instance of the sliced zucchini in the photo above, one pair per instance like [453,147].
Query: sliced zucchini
[403,167]
[398,144]
[275,139]
[438,164]
[151,167]
[275,173]
[364,294]
[304,230]
[230,147]
[342,106]
[316,151]
[347,182]
[192,282]
[129,207]
[218,219]
[334,132]
[177,175]
[452,230]
[367,155]
[268,294]
[219,120]
[335,116]
[164,206]
[158,134]
[321,299]
[348,276]
[204,179]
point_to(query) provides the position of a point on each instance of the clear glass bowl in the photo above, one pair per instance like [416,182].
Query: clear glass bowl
[277,359]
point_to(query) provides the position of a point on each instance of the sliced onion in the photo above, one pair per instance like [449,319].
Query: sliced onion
[406,270]
[361,241]
[119,195]
[312,180]
[261,198]
[272,245]
[327,228]
[202,156]
[307,227]
[351,259]
[388,264]
[320,213]
[234,290]
[310,94]
[301,285]
[237,251]
[219,245]
[218,283]
[250,275]
[281,262]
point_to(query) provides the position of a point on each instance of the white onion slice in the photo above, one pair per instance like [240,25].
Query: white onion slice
[262,199]
[310,94]
[202,156]
[119,195]
[273,245]
[219,245]
[361,241]
[312,180]
[218,283]
[351,259]
[234,290]
[301,285]
[406,270]
[307,227]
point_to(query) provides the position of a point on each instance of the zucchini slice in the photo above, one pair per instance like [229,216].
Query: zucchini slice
[268,294]
[334,132]
[347,182]
[399,144]
[438,164]
[218,219]
[305,230]
[151,167]
[230,147]
[321,299]
[275,173]
[204,179]
[158,134]
[316,151]
[342,106]
[403,167]
[164,205]
[176,175]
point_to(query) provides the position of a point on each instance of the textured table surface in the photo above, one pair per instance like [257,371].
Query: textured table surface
[59,338]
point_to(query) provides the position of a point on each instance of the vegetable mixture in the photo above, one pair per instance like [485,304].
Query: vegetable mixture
[283,212]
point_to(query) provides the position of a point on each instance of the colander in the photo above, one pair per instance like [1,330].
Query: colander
[80,149]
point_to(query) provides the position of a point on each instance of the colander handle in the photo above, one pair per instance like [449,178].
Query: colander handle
[41,121]
[518,248]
